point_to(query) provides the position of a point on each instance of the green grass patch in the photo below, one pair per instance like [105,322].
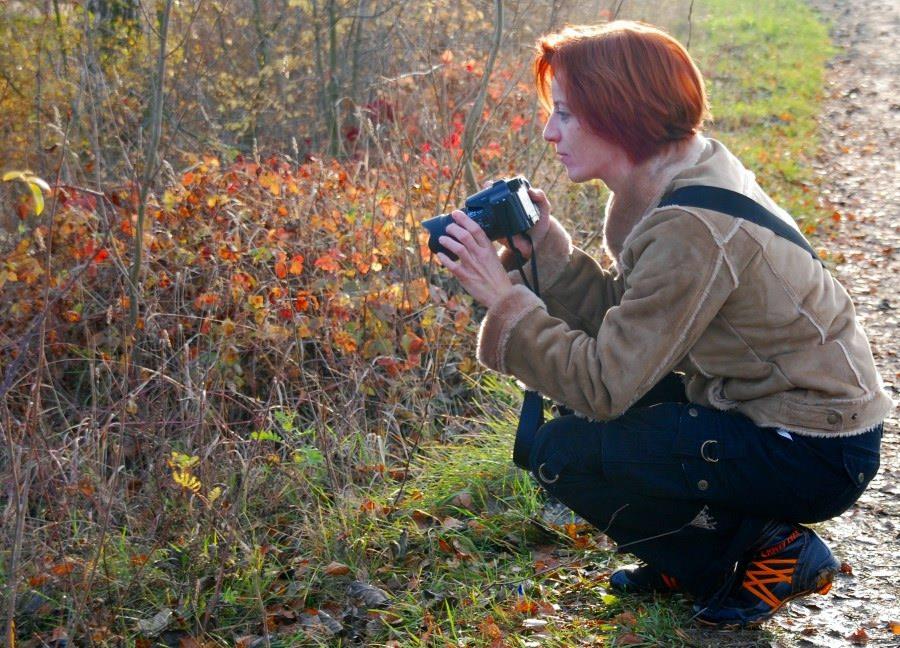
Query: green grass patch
[764,64]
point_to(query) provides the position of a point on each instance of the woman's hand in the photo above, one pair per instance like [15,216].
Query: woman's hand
[477,267]
[539,230]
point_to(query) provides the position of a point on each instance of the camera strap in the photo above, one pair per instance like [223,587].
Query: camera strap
[531,417]
[738,205]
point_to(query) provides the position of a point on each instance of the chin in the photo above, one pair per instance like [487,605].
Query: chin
[575,176]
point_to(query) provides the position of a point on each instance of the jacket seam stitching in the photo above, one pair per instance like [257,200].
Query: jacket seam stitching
[859,380]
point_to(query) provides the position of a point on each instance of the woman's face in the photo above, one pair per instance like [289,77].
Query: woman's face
[585,155]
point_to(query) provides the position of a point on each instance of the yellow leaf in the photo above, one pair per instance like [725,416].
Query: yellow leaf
[35,184]
[186,480]
[38,198]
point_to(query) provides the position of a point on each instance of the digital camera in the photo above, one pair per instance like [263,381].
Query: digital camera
[501,210]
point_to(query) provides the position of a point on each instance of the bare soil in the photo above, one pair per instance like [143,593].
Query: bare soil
[860,167]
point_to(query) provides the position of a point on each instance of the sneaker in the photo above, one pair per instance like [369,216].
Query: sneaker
[791,561]
[641,580]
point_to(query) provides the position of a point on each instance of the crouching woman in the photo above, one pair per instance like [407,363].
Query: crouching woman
[722,391]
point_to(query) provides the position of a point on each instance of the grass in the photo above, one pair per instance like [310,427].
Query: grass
[455,534]
[765,63]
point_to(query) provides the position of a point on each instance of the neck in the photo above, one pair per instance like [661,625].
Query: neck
[633,196]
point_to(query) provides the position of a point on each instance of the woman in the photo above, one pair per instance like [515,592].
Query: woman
[723,392]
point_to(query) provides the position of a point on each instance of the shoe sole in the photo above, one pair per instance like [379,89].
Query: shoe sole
[824,581]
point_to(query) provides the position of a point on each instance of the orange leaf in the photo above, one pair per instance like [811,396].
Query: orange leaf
[389,206]
[63,568]
[37,581]
[344,341]
[296,264]
[525,605]
[227,254]
[894,627]
[335,568]
[206,300]
[281,269]
[490,630]
[327,262]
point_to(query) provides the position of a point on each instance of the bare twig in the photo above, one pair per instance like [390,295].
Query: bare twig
[690,24]
[474,117]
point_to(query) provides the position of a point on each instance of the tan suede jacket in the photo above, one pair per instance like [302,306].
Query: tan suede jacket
[750,319]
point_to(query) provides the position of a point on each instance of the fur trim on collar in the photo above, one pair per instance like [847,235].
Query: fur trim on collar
[625,209]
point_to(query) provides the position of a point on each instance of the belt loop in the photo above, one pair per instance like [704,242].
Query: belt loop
[544,478]
[713,449]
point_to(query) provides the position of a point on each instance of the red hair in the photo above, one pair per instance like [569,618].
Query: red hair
[632,84]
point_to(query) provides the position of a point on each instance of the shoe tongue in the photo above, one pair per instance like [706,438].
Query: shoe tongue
[779,546]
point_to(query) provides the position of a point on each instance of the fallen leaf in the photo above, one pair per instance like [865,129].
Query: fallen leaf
[453,523]
[366,596]
[335,568]
[525,605]
[626,619]
[463,499]
[846,568]
[156,624]
[859,638]
[629,639]
[534,624]
[894,626]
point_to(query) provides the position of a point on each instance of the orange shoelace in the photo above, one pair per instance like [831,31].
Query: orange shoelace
[761,574]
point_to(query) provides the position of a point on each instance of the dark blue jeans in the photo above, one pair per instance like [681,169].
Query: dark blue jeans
[688,489]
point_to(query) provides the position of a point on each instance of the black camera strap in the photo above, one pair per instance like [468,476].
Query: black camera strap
[531,417]
[520,263]
[738,205]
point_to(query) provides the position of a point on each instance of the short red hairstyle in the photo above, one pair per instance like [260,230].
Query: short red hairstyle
[632,84]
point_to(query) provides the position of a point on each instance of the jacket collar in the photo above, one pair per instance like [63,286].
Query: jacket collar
[651,179]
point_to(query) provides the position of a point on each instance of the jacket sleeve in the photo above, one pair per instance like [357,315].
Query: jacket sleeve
[678,282]
[573,286]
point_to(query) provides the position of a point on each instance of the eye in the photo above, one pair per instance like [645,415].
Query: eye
[563,115]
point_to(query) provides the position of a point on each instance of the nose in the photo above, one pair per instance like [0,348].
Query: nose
[551,132]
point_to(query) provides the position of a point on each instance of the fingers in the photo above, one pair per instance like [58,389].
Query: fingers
[539,198]
[447,262]
[464,229]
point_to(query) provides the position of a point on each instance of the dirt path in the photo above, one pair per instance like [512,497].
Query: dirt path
[860,168]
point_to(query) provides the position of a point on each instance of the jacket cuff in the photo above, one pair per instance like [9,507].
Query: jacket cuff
[499,323]
[553,255]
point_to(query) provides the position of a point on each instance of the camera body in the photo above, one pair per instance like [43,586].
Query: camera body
[501,210]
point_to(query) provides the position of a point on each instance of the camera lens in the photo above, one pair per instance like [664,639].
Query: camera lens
[437,227]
